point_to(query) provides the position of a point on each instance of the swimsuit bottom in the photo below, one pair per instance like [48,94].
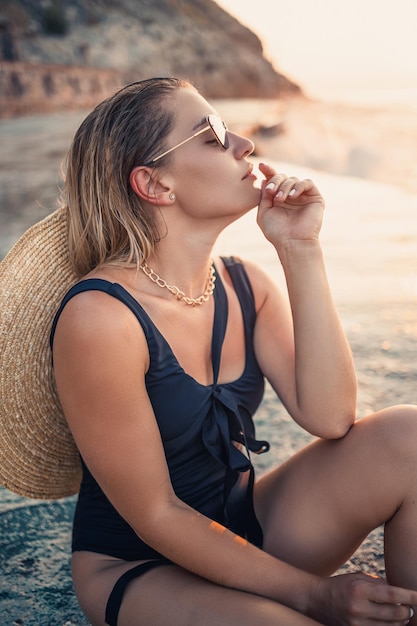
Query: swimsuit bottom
[116,595]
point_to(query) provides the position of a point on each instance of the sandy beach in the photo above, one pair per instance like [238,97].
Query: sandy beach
[369,239]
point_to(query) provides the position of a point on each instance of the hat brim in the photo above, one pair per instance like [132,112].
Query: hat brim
[38,456]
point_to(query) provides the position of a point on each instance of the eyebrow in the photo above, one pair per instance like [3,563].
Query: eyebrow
[200,123]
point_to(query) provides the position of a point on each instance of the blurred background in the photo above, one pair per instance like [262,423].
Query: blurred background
[340,51]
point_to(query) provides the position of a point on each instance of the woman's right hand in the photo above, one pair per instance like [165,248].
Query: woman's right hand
[359,599]
[289,209]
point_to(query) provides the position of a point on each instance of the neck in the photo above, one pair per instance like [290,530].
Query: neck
[187,273]
[184,255]
[177,292]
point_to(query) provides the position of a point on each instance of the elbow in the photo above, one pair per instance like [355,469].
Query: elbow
[339,432]
[338,426]
[153,527]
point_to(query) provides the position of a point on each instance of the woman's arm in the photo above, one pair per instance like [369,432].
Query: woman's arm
[100,360]
[303,352]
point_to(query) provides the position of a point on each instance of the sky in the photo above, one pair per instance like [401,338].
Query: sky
[336,46]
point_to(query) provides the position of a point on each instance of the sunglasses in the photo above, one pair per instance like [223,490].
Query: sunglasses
[217,127]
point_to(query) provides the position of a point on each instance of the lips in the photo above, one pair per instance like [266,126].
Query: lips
[248,173]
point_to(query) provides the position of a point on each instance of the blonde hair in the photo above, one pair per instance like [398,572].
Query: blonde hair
[107,223]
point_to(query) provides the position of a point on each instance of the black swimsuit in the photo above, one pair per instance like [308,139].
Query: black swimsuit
[200,427]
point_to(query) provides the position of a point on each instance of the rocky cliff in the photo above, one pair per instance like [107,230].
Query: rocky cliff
[195,39]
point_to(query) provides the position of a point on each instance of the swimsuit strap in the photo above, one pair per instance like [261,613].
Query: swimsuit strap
[221,313]
[116,596]
[90,284]
[244,292]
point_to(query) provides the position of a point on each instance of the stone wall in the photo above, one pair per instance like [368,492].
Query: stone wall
[27,88]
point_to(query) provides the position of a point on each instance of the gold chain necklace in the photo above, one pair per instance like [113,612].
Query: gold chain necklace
[180,295]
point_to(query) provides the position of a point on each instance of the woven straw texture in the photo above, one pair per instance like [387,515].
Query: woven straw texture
[38,456]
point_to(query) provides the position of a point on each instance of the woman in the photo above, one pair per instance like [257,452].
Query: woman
[171,527]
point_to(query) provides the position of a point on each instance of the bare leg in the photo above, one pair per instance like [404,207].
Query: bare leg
[174,596]
[171,595]
[318,507]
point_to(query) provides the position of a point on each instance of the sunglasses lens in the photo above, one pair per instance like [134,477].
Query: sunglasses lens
[219,130]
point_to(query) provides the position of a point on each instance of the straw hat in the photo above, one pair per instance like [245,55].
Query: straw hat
[38,457]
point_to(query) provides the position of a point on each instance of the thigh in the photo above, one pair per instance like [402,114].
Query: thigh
[171,595]
[318,507]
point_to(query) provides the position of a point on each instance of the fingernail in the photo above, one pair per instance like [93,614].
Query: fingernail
[270,186]
[411,612]
[292,192]
[279,195]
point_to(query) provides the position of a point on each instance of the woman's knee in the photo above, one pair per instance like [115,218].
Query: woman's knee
[343,487]
[395,429]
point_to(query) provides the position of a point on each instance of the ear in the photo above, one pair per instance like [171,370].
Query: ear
[148,187]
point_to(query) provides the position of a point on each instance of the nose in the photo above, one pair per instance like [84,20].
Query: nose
[242,146]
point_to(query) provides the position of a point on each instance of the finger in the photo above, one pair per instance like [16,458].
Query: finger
[393,602]
[292,188]
[270,189]
[287,188]
[391,613]
[275,181]
[271,176]
[299,187]
[305,185]
[267,170]
[280,186]
[393,595]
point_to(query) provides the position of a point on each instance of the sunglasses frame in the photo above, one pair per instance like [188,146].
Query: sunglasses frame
[209,126]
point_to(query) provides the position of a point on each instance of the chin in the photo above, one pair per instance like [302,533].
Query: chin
[256,197]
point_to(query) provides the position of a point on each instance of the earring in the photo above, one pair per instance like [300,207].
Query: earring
[172,196]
